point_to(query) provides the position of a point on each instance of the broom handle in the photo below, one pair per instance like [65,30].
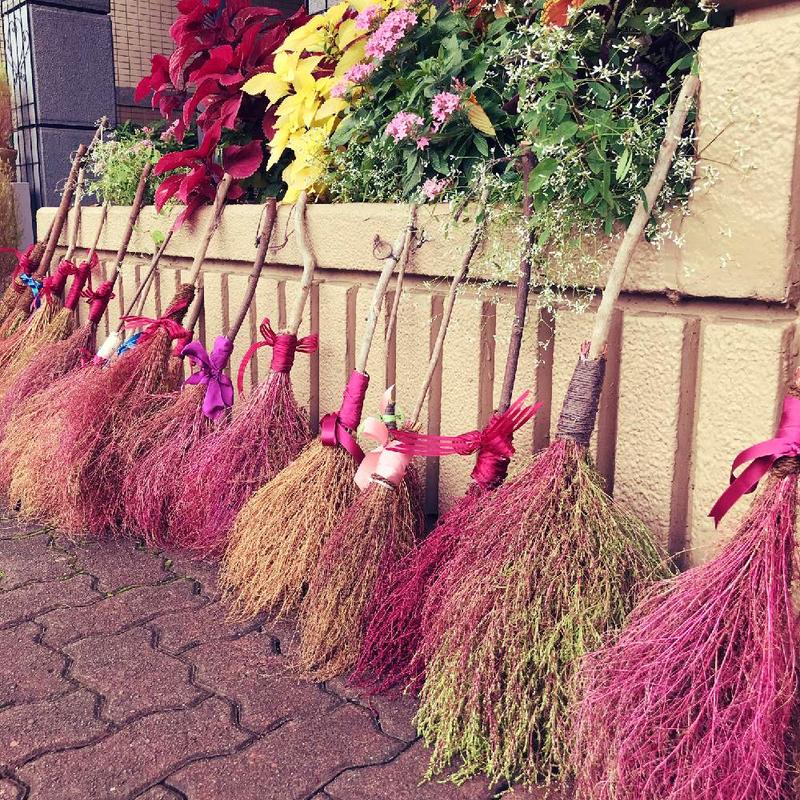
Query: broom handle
[136,208]
[523,290]
[99,231]
[144,287]
[61,214]
[401,274]
[309,263]
[219,205]
[400,247]
[264,238]
[195,309]
[76,208]
[450,301]
[616,276]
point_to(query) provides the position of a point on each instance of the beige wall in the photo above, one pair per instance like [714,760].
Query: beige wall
[704,335]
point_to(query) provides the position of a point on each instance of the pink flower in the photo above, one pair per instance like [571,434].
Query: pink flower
[445,104]
[390,32]
[423,142]
[403,125]
[360,72]
[433,187]
[340,90]
[369,16]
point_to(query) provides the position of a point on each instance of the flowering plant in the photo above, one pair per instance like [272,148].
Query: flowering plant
[220,44]
[305,88]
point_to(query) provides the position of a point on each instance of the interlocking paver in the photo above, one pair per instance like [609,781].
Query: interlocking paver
[28,602]
[181,629]
[292,762]
[28,671]
[400,780]
[140,755]
[121,611]
[32,558]
[117,565]
[158,793]
[35,728]
[9,790]
[202,571]
[132,677]
[262,684]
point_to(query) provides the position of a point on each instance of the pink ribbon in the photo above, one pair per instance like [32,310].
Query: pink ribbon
[24,263]
[336,429]
[211,372]
[384,461]
[761,457]
[494,444]
[98,300]
[54,284]
[172,328]
[284,345]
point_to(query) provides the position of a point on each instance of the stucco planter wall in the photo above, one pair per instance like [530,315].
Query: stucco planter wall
[702,343]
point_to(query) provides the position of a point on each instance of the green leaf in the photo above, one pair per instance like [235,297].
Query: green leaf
[543,170]
[623,165]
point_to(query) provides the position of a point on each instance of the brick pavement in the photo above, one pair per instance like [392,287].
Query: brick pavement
[121,679]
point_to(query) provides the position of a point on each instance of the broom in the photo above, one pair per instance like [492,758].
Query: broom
[90,465]
[266,434]
[548,565]
[378,529]
[26,286]
[277,537]
[394,615]
[697,699]
[160,450]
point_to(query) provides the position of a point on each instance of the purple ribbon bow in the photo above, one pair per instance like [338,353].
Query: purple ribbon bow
[211,372]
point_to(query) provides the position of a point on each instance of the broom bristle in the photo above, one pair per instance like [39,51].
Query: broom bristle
[11,295]
[394,614]
[277,537]
[694,701]
[158,451]
[541,573]
[379,528]
[268,431]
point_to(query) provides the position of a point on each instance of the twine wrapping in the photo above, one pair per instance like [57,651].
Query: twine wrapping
[98,300]
[83,275]
[579,410]
[336,429]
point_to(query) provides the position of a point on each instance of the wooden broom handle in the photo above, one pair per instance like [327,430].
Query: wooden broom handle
[450,301]
[309,263]
[398,250]
[98,233]
[61,214]
[76,208]
[264,238]
[195,309]
[633,235]
[523,289]
[136,208]
[398,286]
[216,217]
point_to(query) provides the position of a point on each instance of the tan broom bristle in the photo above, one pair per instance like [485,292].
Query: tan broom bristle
[278,535]
[11,295]
[381,526]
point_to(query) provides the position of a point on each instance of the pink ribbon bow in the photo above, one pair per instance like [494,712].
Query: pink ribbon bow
[211,372]
[284,345]
[384,461]
[172,328]
[336,429]
[761,457]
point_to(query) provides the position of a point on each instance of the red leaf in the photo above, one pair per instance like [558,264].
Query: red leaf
[211,137]
[236,192]
[243,161]
[171,161]
[268,123]
[206,88]
[229,111]
[143,88]
[187,213]
[169,186]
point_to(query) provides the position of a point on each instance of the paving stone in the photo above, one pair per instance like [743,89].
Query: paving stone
[395,716]
[293,762]
[28,671]
[158,793]
[400,780]
[537,793]
[135,758]
[285,631]
[133,678]
[10,791]
[34,728]
[204,572]
[11,528]
[28,602]
[118,565]
[246,671]
[30,559]
[183,629]
[121,611]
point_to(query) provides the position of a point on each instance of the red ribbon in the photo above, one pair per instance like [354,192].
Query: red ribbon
[98,300]
[336,429]
[24,263]
[54,284]
[761,457]
[284,345]
[83,275]
[173,329]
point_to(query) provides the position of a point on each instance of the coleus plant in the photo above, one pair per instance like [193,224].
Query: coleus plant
[219,45]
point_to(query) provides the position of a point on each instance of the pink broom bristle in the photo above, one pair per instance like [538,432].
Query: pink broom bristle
[698,697]
[268,431]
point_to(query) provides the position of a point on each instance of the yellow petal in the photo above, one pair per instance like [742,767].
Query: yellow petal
[348,33]
[331,107]
[352,56]
[277,146]
[268,83]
